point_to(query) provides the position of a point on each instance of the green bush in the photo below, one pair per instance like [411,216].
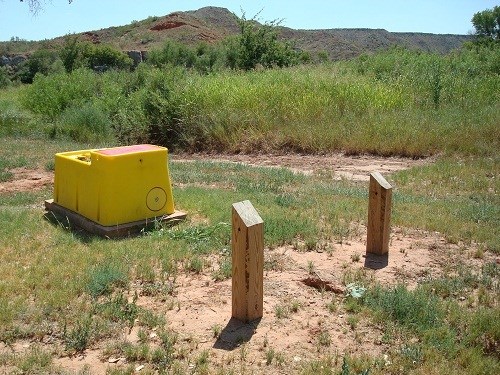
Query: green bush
[4,77]
[204,58]
[50,96]
[172,54]
[42,61]
[85,123]
[259,45]
[107,57]
[77,54]
[152,109]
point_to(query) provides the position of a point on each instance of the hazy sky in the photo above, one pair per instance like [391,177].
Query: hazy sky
[60,18]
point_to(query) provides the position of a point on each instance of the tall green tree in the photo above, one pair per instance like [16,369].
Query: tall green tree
[259,44]
[487,23]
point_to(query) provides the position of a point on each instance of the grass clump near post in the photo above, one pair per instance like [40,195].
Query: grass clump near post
[448,332]
[415,310]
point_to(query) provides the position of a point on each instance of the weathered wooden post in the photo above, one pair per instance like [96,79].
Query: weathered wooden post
[379,215]
[247,244]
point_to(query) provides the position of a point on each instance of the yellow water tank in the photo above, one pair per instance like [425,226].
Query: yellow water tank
[115,186]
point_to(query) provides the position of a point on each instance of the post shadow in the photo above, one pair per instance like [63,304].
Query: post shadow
[376,261]
[236,333]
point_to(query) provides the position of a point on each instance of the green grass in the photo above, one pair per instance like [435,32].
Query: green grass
[448,333]
[103,278]
[397,102]
[460,197]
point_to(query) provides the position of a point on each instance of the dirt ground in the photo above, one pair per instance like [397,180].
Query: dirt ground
[311,281]
[357,168]
[304,316]
[25,179]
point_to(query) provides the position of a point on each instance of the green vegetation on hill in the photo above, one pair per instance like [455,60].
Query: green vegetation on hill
[397,102]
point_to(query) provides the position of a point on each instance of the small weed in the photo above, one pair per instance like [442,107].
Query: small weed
[216,330]
[483,297]
[265,343]
[201,363]
[103,277]
[274,262]
[412,352]
[142,336]
[78,338]
[329,250]
[311,268]
[169,268]
[332,305]
[145,273]
[295,306]
[243,352]
[135,353]
[50,166]
[352,305]
[168,340]
[352,320]
[157,289]
[322,366]
[225,270]
[195,265]
[324,338]
[269,356]
[341,232]
[5,175]
[355,257]
[118,308]
[35,361]
[479,253]
[281,312]
[200,234]
[311,244]
[279,358]
[129,370]
[415,309]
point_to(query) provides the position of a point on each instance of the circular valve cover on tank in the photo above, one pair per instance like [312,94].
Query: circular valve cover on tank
[156,199]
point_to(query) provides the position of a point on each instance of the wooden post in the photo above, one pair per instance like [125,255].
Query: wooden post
[379,215]
[247,244]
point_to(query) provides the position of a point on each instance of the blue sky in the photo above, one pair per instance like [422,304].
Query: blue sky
[59,18]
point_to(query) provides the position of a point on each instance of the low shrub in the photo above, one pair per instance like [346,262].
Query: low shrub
[86,123]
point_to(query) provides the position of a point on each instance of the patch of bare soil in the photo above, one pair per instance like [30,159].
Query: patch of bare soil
[304,315]
[357,168]
[25,179]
